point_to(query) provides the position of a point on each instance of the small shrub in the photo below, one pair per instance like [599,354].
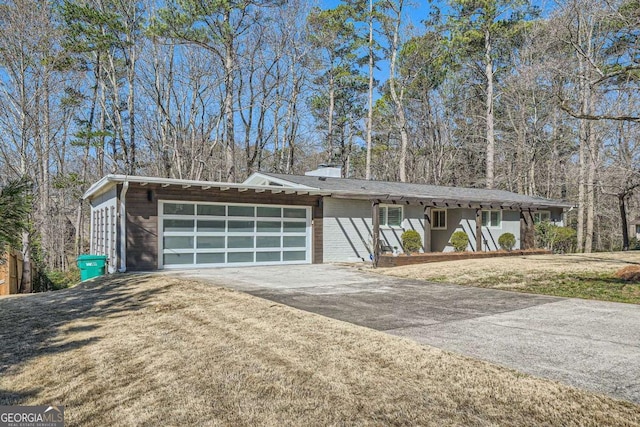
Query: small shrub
[629,274]
[507,241]
[557,239]
[63,279]
[460,240]
[411,241]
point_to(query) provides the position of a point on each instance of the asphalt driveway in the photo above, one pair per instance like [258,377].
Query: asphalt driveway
[589,344]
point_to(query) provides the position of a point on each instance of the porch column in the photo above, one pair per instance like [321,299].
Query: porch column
[427,229]
[527,230]
[478,230]
[375,220]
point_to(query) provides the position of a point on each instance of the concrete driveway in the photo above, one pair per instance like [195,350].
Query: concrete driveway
[589,344]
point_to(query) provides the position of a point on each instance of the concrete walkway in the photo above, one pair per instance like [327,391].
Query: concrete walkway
[589,344]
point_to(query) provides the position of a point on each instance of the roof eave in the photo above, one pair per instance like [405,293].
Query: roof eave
[449,202]
[107,181]
[280,181]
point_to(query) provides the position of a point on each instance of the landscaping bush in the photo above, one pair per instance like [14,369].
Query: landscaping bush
[460,240]
[556,239]
[507,241]
[63,279]
[411,241]
[629,274]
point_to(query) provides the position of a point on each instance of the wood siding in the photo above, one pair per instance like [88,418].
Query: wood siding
[11,273]
[142,216]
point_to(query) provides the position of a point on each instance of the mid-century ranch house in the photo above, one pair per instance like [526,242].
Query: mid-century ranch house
[146,223]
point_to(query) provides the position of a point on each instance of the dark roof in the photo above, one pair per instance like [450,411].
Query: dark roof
[364,188]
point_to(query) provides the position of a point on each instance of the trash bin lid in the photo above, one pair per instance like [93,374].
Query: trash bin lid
[89,257]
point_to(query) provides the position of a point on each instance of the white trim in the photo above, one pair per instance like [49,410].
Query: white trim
[110,180]
[489,226]
[384,225]
[307,234]
[446,215]
[123,227]
[540,213]
[258,178]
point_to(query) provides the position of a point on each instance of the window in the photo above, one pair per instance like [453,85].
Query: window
[541,216]
[438,219]
[492,219]
[390,216]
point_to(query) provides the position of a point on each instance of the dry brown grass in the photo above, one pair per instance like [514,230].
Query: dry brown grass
[469,271]
[153,350]
[588,276]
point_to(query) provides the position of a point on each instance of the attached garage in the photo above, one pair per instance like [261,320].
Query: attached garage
[201,234]
[162,223]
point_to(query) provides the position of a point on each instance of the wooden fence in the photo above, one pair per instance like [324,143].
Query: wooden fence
[12,274]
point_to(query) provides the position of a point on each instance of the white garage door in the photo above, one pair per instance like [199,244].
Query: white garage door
[218,234]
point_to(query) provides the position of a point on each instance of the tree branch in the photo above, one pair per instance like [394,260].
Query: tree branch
[564,107]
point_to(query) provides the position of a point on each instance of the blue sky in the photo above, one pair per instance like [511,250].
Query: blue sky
[419,10]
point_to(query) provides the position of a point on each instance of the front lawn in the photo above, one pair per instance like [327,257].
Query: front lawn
[156,350]
[588,276]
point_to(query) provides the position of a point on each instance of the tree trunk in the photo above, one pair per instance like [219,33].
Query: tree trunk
[398,98]
[491,143]
[370,111]
[228,105]
[623,220]
[330,117]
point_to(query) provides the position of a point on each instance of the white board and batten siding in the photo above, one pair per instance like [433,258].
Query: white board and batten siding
[347,229]
[104,227]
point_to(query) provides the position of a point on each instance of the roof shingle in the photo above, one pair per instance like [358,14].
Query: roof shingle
[365,188]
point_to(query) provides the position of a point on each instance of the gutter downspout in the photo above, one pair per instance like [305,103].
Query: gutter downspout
[123,227]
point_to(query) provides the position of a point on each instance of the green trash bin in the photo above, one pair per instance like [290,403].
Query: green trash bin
[91,266]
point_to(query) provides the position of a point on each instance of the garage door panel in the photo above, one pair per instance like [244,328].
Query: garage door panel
[269,212]
[211,242]
[178,225]
[179,209]
[268,256]
[178,259]
[178,242]
[215,226]
[215,234]
[235,257]
[268,242]
[211,210]
[294,255]
[210,258]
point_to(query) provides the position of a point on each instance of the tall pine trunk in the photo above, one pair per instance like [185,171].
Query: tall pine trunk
[491,142]
[370,93]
